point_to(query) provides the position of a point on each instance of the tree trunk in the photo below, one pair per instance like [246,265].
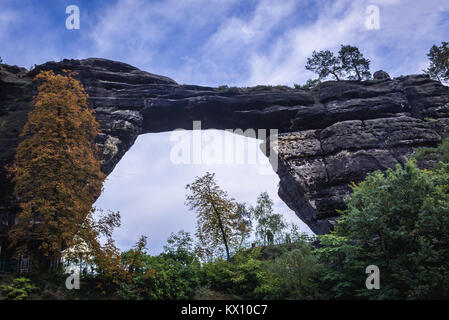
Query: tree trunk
[358,73]
[225,240]
[220,223]
[335,75]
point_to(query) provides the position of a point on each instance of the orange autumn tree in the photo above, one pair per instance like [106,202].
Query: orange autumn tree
[56,169]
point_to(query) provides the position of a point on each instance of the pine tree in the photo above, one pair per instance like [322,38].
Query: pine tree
[439,62]
[56,169]
[324,63]
[353,63]
[350,62]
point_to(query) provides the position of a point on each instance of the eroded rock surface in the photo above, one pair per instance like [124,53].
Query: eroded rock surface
[329,136]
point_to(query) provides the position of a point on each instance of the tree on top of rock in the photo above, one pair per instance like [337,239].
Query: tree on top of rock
[439,62]
[350,62]
[56,169]
[353,63]
[324,63]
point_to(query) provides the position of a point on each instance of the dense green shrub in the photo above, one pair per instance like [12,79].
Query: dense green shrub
[19,289]
[240,277]
[293,275]
[173,274]
[399,221]
[217,275]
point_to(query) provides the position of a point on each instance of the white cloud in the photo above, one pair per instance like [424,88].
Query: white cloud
[239,32]
[407,30]
[284,62]
[136,30]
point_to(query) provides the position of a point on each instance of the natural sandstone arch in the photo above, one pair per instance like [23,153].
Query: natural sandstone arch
[329,136]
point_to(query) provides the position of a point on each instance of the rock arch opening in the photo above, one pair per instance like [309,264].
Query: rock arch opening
[147,185]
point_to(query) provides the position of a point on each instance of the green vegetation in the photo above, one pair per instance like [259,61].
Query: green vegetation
[439,62]
[228,89]
[174,274]
[439,153]
[294,274]
[19,289]
[324,63]
[398,221]
[310,84]
[270,226]
[355,66]
[348,64]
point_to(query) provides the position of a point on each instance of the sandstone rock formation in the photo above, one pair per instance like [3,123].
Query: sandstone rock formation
[331,135]
[381,75]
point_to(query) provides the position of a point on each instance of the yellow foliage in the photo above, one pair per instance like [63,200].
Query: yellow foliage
[56,169]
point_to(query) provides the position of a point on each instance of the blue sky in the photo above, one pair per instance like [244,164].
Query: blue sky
[211,42]
[215,42]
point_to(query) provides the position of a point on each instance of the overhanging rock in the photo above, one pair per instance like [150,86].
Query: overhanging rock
[329,136]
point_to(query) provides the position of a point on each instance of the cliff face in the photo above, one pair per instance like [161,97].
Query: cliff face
[329,136]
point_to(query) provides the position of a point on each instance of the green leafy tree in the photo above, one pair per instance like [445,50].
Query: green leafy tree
[179,242]
[398,221]
[439,62]
[343,268]
[218,224]
[353,63]
[217,275]
[270,225]
[324,63]
[134,257]
[245,225]
[292,274]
